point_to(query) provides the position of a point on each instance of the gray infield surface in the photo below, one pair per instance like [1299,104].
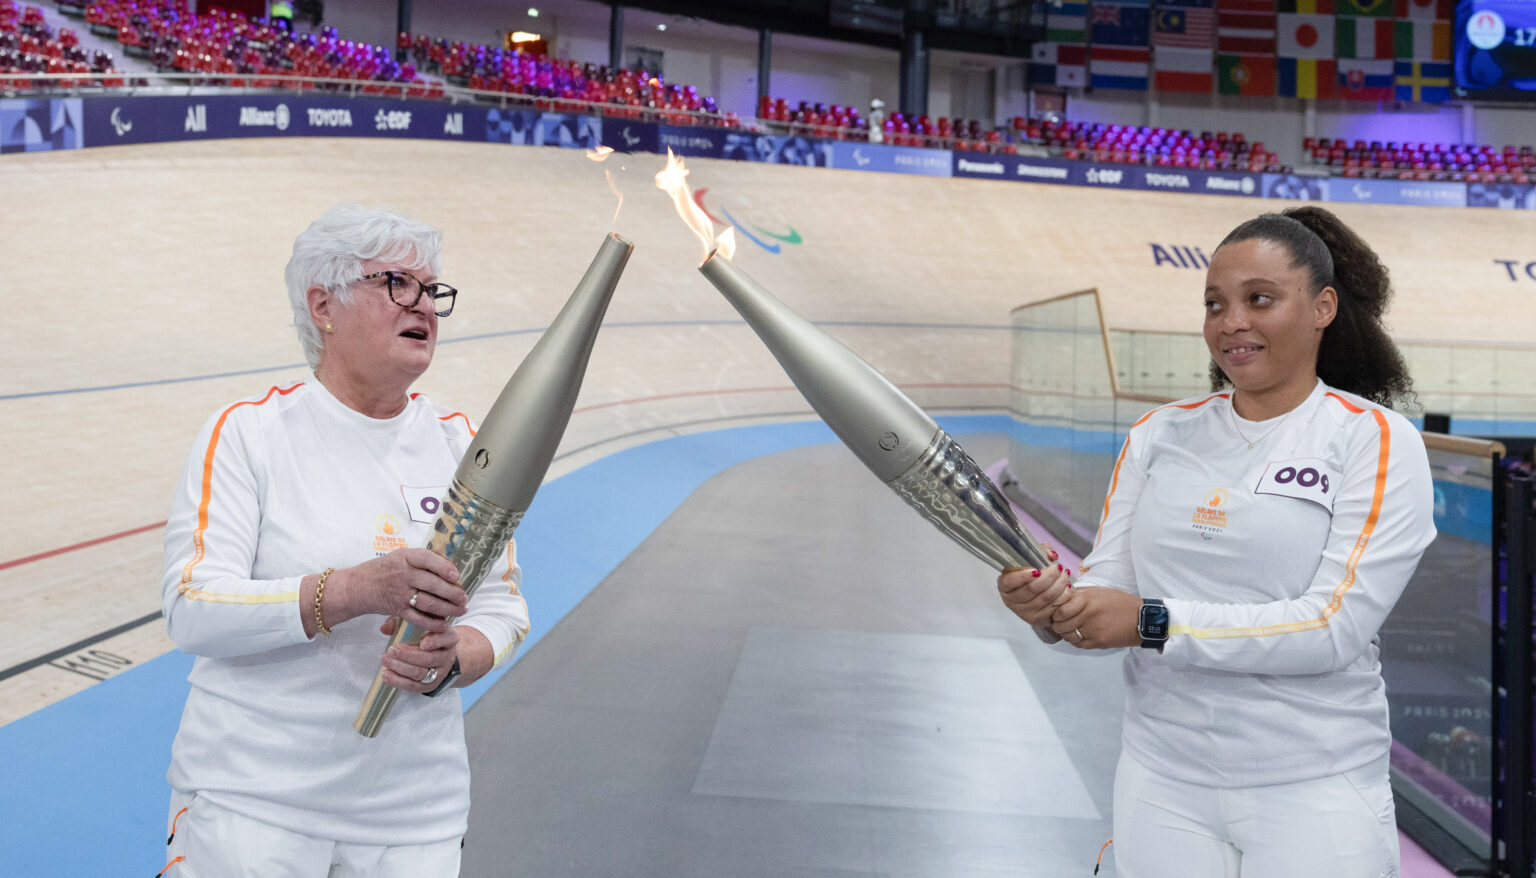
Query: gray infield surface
[795,676]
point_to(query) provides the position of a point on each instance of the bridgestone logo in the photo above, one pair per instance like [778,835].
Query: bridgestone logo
[319,118]
[1042,173]
[981,167]
[1168,181]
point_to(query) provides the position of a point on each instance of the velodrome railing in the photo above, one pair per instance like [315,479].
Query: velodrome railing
[1076,389]
[1486,388]
[70,111]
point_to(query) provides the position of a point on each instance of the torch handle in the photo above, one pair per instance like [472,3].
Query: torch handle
[472,533]
[946,487]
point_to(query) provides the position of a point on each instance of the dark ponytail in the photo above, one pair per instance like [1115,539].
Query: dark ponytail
[1355,354]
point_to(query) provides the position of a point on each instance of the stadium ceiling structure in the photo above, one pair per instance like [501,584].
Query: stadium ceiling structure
[993,27]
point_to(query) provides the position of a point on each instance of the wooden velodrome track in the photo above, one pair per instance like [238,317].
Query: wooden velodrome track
[147,292]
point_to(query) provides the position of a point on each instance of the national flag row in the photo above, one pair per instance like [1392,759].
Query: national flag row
[1362,49]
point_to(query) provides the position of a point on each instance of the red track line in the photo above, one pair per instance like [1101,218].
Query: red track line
[87,544]
[17,562]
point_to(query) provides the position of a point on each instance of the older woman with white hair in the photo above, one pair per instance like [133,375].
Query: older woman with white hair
[292,551]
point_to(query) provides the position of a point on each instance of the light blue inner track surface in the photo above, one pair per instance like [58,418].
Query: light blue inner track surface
[84,781]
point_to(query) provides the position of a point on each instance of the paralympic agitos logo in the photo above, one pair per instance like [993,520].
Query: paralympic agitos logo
[792,238]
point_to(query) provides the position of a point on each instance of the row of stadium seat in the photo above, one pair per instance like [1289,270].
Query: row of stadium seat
[563,82]
[222,42]
[29,44]
[838,122]
[1426,161]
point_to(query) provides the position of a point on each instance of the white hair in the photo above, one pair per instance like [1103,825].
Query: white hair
[331,252]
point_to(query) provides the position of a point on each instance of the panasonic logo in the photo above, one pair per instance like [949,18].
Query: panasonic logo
[981,167]
[319,118]
[1042,173]
[1168,181]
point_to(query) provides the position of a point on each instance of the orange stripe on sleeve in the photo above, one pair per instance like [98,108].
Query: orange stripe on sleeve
[1355,553]
[467,424]
[202,514]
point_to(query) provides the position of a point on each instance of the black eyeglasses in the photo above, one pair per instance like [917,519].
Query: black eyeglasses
[400,285]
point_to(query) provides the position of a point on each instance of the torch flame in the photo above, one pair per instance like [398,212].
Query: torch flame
[673,180]
[615,190]
[725,243]
[600,153]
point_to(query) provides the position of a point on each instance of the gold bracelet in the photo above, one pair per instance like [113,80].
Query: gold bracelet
[319,598]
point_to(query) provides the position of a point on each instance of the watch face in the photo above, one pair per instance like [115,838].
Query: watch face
[1154,622]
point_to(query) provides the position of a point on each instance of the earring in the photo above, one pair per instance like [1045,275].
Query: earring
[327,327]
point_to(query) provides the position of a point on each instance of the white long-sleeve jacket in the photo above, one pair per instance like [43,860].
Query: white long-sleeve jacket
[1278,564]
[277,487]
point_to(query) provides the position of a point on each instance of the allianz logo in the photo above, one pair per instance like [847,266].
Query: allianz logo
[393,120]
[255,117]
[1227,184]
[1105,176]
[322,118]
[981,167]
[453,123]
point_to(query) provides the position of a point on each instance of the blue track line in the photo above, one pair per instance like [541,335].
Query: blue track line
[85,792]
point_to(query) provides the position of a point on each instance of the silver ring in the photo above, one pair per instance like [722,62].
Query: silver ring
[431,675]
[413,599]
[1079,633]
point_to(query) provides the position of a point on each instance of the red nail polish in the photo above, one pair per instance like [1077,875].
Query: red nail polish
[1035,574]
[1059,567]
[1054,556]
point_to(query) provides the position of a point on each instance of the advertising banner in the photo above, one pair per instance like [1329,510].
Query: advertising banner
[627,136]
[40,125]
[112,121]
[1398,192]
[892,159]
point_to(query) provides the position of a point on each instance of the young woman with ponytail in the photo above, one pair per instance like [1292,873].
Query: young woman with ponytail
[1253,542]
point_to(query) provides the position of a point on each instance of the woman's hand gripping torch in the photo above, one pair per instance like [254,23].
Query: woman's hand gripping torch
[506,462]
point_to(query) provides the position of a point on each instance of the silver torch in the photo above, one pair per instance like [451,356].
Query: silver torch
[505,464]
[885,429]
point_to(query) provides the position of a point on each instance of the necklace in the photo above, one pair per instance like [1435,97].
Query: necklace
[1252,442]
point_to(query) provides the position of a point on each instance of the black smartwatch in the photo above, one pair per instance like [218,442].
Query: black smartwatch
[1152,624]
[448,678]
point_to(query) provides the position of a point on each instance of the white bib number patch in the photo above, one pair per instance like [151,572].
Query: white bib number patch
[1306,478]
[423,503]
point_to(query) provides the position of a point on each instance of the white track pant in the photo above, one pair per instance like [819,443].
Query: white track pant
[1340,827]
[217,843]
